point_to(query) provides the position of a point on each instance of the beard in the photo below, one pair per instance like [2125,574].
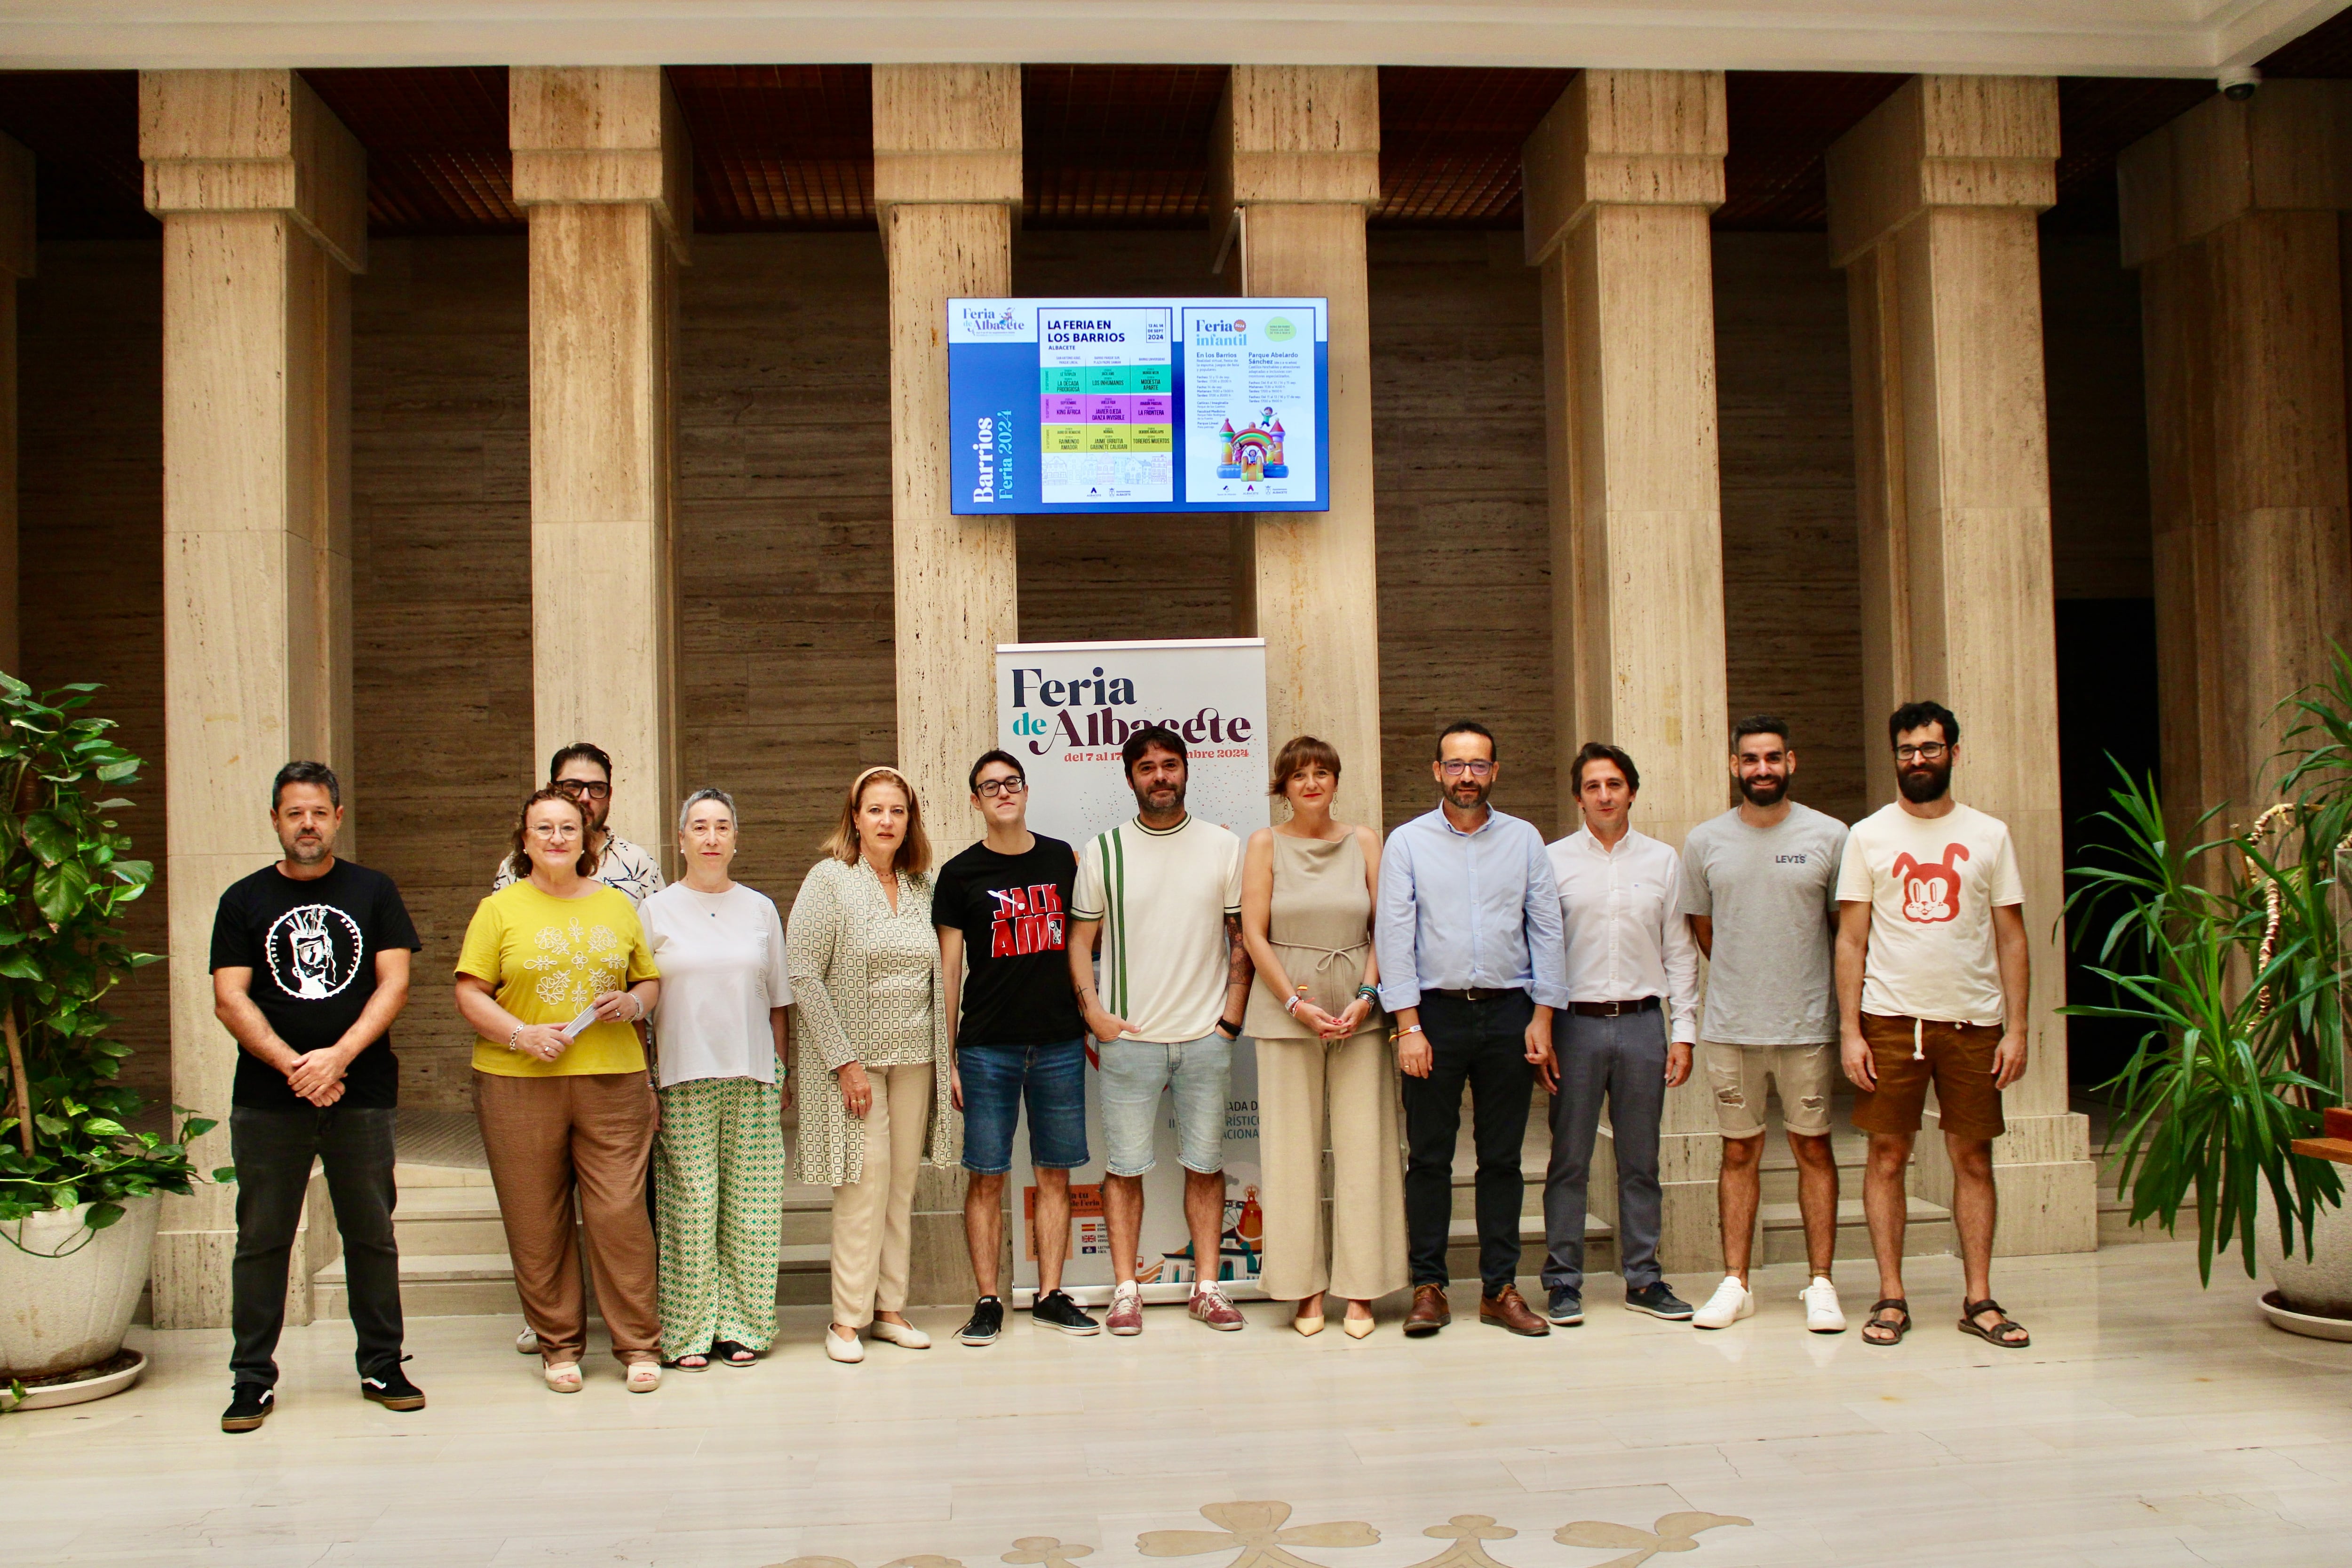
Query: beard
[1160,798]
[1468,793]
[307,851]
[1769,790]
[1923,782]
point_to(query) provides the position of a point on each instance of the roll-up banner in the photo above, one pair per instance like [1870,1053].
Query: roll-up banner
[1064,710]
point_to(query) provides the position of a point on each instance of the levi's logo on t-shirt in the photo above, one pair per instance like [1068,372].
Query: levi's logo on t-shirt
[1931,890]
[1027,920]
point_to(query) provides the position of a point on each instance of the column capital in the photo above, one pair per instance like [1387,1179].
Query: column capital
[17,231]
[1943,141]
[602,135]
[254,141]
[1629,137]
[2286,149]
[1297,134]
[946,134]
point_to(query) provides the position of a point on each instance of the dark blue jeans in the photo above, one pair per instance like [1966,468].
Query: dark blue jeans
[273,1150]
[1482,1044]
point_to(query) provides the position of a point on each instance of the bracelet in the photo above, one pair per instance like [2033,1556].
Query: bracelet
[514,1035]
[1291,1006]
[1230,1030]
[1398,1038]
[1368,992]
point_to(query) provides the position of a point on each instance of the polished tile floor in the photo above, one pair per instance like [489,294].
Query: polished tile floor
[2149,1424]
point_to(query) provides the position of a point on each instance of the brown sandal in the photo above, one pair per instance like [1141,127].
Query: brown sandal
[2007,1333]
[1892,1328]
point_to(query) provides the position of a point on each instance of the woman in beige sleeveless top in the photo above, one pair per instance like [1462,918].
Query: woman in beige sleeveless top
[1307,890]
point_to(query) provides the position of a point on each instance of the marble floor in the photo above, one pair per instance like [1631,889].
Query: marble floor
[2151,1424]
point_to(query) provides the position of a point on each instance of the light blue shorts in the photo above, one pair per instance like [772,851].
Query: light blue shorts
[1133,1074]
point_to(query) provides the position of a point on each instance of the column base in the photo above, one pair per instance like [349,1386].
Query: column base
[2047,1182]
[190,1278]
[939,1264]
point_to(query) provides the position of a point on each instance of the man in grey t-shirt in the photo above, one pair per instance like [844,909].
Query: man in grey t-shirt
[1759,890]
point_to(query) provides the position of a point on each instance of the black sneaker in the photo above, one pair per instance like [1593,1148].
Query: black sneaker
[1659,1302]
[987,1322]
[392,1389]
[1055,1310]
[1567,1309]
[249,1405]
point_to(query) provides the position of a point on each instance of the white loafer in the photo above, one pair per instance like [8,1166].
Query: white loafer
[851,1349]
[906,1336]
[1731,1302]
[1822,1313]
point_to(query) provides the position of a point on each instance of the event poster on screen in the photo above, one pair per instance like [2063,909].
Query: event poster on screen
[1085,406]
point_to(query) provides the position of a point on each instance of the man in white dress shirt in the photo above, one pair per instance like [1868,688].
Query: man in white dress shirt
[1632,967]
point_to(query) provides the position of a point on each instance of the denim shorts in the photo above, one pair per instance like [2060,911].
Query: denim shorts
[995,1080]
[1133,1074]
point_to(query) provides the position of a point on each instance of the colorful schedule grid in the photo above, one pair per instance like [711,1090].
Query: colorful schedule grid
[1105,406]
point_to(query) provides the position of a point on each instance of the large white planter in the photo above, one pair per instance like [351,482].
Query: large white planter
[2320,1286]
[67,1293]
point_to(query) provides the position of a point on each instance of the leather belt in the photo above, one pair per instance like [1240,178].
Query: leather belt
[1613,1009]
[1471,994]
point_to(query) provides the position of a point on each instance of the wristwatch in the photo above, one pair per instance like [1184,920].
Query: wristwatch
[1228,1029]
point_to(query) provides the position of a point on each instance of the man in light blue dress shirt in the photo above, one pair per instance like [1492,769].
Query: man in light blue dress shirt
[1472,965]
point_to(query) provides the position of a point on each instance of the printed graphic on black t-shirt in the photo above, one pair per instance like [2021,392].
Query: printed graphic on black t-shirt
[311,947]
[1013,912]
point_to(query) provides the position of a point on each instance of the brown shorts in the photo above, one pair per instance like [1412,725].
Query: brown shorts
[1906,1053]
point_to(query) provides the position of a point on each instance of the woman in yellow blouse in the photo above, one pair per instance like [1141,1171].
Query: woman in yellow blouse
[876,1041]
[554,976]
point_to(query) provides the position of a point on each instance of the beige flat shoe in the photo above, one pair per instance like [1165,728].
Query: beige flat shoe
[851,1349]
[645,1377]
[906,1336]
[1308,1327]
[563,1376]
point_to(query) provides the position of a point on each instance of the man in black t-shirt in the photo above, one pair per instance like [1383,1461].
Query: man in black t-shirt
[309,968]
[1002,906]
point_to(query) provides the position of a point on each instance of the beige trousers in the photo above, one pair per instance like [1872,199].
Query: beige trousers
[1355,1081]
[873,1220]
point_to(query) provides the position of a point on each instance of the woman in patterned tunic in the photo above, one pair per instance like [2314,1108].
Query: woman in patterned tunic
[719,1033]
[876,1041]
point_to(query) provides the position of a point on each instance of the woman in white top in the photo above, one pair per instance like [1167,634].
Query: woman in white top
[719,1165]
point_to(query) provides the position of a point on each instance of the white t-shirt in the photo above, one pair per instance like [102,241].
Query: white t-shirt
[1163,897]
[721,957]
[1932,883]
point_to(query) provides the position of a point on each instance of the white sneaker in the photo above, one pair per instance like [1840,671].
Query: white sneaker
[851,1349]
[1731,1302]
[1822,1313]
[906,1336]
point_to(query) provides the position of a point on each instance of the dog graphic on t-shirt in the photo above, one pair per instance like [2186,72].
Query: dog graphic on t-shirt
[1931,889]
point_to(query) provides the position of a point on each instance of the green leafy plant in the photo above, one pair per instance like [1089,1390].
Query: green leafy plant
[2227,951]
[65,876]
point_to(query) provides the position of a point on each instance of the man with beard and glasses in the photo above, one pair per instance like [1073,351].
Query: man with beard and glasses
[1164,893]
[1472,967]
[1760,891]
[1931,983]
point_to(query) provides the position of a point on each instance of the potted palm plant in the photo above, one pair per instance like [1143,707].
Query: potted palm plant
[2228,953]
[78,1186]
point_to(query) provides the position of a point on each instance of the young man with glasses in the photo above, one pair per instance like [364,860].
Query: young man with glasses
[1003,908]
[1472,967]
[1932,982]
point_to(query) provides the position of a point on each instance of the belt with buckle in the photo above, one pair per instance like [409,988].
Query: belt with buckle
[1613,1009]
[1471,994]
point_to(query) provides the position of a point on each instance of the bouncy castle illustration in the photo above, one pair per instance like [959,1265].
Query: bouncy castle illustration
[1254,453]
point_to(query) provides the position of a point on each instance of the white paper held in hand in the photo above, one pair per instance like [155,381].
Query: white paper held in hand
[571,1030]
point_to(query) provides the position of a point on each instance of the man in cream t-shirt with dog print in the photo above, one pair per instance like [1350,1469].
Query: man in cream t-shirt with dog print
[1932,983]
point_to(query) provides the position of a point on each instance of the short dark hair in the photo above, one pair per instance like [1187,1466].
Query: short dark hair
[1918,716]
[318,774]
[992,755]
[1759,724]
[1297,754]
[1158,735]
[1602,752]
[1466,727]
[579,749]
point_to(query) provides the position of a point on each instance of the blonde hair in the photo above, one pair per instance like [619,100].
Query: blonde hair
[914,855]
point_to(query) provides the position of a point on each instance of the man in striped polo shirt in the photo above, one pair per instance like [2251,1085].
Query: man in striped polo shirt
[1163,893]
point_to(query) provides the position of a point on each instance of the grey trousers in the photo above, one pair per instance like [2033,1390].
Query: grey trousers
[1624,1059]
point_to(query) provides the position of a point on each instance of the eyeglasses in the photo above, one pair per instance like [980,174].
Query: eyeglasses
[1926,752]
[585,787]
[989,789]
[1454,767]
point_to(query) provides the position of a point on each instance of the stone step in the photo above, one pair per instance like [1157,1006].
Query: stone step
[1927,1232]
[465,1285]
[1462,1248]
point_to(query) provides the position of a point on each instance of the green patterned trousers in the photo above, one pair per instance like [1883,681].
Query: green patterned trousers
[718,1188]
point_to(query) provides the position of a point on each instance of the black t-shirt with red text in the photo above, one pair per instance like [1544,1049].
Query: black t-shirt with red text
[1013,911]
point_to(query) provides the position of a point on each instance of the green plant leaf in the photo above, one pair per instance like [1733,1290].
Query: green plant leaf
[104,1126]
[100,1215]
[224,1173]
[52,840]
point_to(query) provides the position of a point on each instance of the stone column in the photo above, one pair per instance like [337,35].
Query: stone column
[1621,178]
[16,255]
[263,196]
[946,184]
[2233,213]
[1933,201]
[603,166]
[1296,162]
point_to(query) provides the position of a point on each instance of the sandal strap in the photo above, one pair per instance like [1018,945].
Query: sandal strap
[1971,1309]
[1897,1303]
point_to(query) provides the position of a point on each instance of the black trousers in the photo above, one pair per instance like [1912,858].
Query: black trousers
[1483,1045]
[273,1150]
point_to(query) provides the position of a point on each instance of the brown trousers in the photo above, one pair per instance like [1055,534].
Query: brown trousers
[547,1138]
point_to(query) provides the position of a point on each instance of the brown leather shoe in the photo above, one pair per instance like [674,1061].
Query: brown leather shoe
[1508,1310]
[1430,1312]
